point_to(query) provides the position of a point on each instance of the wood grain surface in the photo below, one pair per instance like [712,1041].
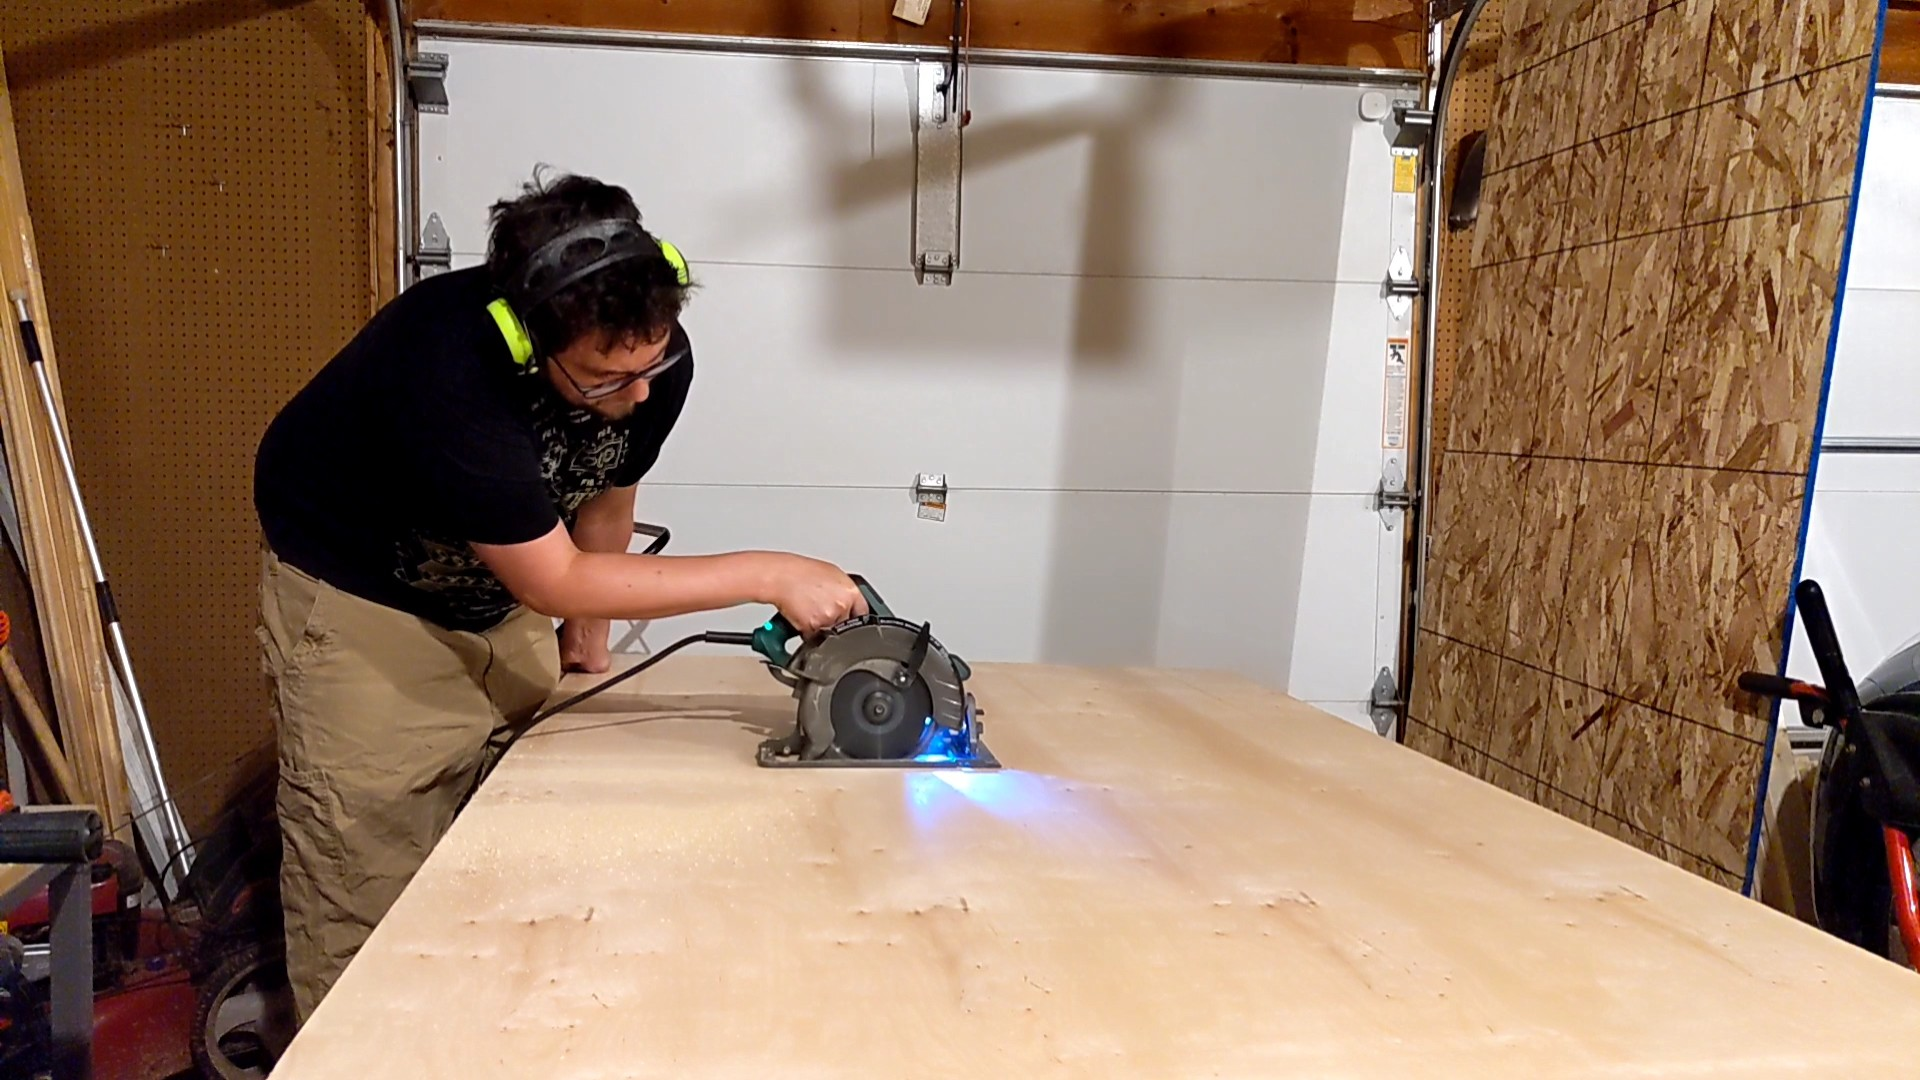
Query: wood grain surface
[55,555]
[1177,875]
[1620,485]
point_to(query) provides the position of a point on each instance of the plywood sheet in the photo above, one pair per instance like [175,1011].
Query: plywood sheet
[1654,281]
[49,518]
[1177,875]
[198,178]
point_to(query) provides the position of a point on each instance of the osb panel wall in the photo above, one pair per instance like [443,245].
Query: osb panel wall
[196,171]
[1655,274]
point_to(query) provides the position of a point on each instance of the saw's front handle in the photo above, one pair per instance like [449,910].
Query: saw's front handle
[770,641]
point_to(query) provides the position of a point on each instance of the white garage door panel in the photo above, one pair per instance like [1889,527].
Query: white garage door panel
[1867,472]
[734,158]
[1865,564]
[859,378]
[1876,384]
[1108,173]
[1882,254]
[1340,610]
[1353,712]
[1236,594]
[1352,416]
[810,162]
[1036,576]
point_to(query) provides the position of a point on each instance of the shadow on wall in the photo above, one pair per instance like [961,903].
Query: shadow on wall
[1132,347]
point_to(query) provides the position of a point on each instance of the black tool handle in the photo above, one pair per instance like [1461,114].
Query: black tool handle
[1841,692]
[1772,686]
[63,835]
[659,535]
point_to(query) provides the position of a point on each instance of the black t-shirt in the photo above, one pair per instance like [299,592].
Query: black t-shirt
[421,437]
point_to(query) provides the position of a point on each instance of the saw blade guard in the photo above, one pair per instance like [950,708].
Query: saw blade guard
[858,687]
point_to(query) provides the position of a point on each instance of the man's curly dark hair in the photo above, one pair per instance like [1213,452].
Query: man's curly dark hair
[627,303]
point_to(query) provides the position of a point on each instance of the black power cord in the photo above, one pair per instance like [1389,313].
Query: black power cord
[513,733]
[505,736]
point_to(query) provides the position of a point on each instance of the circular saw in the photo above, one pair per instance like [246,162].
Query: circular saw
[876,690]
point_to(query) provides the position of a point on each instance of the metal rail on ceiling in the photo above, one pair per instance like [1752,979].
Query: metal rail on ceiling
[1888,444]
[854,50]
[403,148]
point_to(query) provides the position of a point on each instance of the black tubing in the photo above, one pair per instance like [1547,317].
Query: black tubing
[1772,686]
[63,835]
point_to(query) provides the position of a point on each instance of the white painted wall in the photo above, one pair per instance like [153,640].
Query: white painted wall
[1866,508]
[1156,385]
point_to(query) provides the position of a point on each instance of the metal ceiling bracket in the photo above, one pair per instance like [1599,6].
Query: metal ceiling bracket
[427,81]
[436,248]
[1412,126]
[936,176]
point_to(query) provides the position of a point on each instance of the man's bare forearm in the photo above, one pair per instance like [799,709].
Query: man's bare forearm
[554,577]
[602,585]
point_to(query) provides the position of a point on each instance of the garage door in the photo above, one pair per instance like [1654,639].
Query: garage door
[1156,389]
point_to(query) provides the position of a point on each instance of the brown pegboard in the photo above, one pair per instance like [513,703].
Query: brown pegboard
[197,174]
[1469,109]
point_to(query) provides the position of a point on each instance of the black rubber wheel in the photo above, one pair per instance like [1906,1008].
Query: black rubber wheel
[244,1018]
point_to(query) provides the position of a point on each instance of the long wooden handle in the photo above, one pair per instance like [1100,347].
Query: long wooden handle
[66,787]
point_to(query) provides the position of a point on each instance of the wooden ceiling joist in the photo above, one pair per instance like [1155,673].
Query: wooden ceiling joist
[1900,45]
[1337,33]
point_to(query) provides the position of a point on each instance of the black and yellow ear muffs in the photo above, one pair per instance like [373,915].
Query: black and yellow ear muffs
[619,240]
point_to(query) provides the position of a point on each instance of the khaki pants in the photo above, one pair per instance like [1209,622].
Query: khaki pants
[382,721]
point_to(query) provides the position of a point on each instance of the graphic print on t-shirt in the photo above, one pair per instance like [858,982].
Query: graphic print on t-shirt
[580,452]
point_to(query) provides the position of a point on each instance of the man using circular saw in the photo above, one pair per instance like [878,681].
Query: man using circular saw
[458,477]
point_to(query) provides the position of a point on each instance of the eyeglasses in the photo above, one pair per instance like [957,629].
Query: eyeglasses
[672,356]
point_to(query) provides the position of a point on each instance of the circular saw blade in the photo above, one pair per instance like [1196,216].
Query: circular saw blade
[836,675]
[875,719]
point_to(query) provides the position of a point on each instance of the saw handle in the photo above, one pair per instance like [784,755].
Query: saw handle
[770,640]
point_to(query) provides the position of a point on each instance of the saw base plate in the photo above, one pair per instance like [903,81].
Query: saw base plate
[770,756]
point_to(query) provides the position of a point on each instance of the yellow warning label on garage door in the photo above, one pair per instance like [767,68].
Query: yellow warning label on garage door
[1406,167]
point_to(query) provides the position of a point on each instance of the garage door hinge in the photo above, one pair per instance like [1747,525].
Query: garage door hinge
[427,81]
[1400,278]
[1384,703]
[1392,499]
[436,248]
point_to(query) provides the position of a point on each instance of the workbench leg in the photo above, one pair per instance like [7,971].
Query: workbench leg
[70,896]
